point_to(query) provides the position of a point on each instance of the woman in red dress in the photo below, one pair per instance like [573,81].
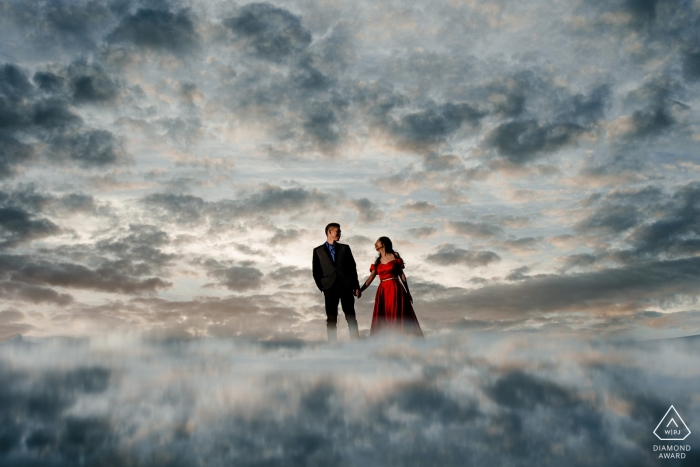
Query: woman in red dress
[392,304]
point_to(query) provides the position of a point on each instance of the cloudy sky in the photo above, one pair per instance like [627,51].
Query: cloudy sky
[167,166]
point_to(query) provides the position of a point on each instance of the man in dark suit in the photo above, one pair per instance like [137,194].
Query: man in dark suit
[335,273]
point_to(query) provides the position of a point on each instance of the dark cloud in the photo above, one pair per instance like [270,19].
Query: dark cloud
[21,291]
[54,114]
[691,66]
[367,211]
[30,120]
[49,82]
[649,223]
[522,141]
[448,254]
[269,32]
[274,200]
[518,274]
[239,277]
[185,209]
[91,83]
[139,249]
[586,109]
[643,11]
[89,148]
[14,82]
[120,276]
[677,231]
[157,29]
[630,287]
[610,218]
[266,200]
[323,125]
[19,226]
[427,127]
[542,116]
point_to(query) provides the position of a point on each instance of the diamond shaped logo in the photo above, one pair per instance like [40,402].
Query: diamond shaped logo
[672,427]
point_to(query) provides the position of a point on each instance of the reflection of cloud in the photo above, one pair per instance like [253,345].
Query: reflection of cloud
[118,402]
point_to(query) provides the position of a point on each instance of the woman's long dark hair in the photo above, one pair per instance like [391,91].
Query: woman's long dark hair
[388,248]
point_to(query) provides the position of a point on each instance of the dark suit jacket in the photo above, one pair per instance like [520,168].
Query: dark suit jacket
[343,270]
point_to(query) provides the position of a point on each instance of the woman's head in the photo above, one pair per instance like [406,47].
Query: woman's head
[384,242]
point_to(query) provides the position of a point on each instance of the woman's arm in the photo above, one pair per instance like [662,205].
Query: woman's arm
[369,280]
[405,284]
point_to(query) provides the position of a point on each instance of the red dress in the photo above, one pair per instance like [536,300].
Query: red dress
[392,307]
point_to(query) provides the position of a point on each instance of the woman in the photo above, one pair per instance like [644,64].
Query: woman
[392,304]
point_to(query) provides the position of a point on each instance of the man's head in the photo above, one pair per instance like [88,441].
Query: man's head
[332,232]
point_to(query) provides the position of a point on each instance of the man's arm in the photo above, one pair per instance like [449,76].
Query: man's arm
[316,270]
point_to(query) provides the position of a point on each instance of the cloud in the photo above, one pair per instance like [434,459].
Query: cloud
[109,276]
[14,82]
[522,141]
[691,66]
[422,232]
[157,29]
[646,223]
[17,226]
[11,323]
[631,287]
[28,293]
[30,119]
[587,110]
[237,277]
[88,148]
[185,209]
[424,128]
[265,200]
[610,218]
[448,254]
[90,83]
[269,32]
[13,153]
[475,229]
[419,207]
[676,231]
[72,25]
[367,211]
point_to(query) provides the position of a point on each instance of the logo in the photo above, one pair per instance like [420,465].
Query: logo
[672,427]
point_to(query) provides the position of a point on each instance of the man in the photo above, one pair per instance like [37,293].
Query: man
[335,273]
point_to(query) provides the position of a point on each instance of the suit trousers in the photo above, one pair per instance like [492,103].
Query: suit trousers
[335,294]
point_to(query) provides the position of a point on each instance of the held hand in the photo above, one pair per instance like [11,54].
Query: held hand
[358,293]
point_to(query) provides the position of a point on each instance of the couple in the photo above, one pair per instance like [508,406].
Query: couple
[335,273]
